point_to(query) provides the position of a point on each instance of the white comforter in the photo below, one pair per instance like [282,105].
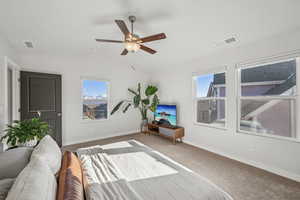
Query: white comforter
[102,177]
[130,171]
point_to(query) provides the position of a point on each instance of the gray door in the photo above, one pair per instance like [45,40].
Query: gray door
[41,96]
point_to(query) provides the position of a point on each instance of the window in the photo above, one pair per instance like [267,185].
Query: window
[94,99]
[267,99]
[210,99]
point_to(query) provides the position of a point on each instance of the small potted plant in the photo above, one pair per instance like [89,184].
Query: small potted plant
[26,132]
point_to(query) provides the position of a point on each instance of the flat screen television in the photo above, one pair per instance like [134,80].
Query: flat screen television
[166,114]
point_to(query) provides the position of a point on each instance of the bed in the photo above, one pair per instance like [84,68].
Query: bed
[130,170]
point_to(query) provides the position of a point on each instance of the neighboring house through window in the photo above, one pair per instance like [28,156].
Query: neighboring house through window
[94,99]
[210,98]
[267,99]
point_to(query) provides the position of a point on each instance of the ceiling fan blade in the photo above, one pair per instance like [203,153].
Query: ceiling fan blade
[153,37]
[121,24]
[114,41]
[124,52]
[147,49]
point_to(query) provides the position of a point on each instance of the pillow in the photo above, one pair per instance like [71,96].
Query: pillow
[70,185]
[5,185]
[35,182]
[49,151]
[14,161]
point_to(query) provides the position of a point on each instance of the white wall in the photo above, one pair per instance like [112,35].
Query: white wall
[72,68]
[275,155]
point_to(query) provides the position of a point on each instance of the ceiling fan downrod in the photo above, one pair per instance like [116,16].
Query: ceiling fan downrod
[132,19]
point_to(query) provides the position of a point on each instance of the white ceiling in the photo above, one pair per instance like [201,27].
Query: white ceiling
[193,27]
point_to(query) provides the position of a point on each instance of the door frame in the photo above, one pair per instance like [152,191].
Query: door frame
[10,64]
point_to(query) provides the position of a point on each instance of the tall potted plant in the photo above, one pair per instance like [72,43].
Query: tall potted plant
[144,102]
[26,132]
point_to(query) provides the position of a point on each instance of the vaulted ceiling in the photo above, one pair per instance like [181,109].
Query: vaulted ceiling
[193,27]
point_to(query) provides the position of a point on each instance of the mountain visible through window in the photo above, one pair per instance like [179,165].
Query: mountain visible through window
[94,99]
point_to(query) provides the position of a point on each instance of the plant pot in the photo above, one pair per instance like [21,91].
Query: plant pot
[30,143]
[144,125]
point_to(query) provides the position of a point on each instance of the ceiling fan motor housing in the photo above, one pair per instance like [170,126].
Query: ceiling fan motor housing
[132,18]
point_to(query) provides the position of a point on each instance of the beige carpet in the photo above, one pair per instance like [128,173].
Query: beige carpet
[241,181]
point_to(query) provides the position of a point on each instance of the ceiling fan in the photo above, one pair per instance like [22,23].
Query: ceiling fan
[132,41]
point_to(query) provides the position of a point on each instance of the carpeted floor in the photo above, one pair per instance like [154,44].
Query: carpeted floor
[241,181]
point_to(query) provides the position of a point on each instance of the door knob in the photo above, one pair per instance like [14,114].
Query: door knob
[39,113]
[58,114]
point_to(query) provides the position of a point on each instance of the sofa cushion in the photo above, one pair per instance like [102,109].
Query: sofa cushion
[35,182]
[5,185]
[49,151]
[70,179]
[14,161]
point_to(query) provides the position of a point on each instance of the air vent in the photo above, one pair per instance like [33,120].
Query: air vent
[28,44]
[230,40]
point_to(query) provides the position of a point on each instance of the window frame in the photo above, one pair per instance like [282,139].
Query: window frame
[195,98]
[81,99]
[239,97]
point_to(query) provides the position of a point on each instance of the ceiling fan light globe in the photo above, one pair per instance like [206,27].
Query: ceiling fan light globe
[132,46]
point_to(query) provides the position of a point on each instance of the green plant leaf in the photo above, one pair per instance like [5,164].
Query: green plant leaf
[150,90]
[24,131]
[136,100]
[146,101]
[139,89]
[126,108]
[116,108]
[132,91]
[155,102]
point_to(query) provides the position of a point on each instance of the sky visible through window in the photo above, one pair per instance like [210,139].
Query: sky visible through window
[93,88]
[203,83]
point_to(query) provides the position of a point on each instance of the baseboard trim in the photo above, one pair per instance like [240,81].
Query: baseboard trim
[101,138]
[280,172]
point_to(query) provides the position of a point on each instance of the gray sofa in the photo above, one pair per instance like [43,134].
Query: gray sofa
[1,147]
[30,173]
[12,162]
